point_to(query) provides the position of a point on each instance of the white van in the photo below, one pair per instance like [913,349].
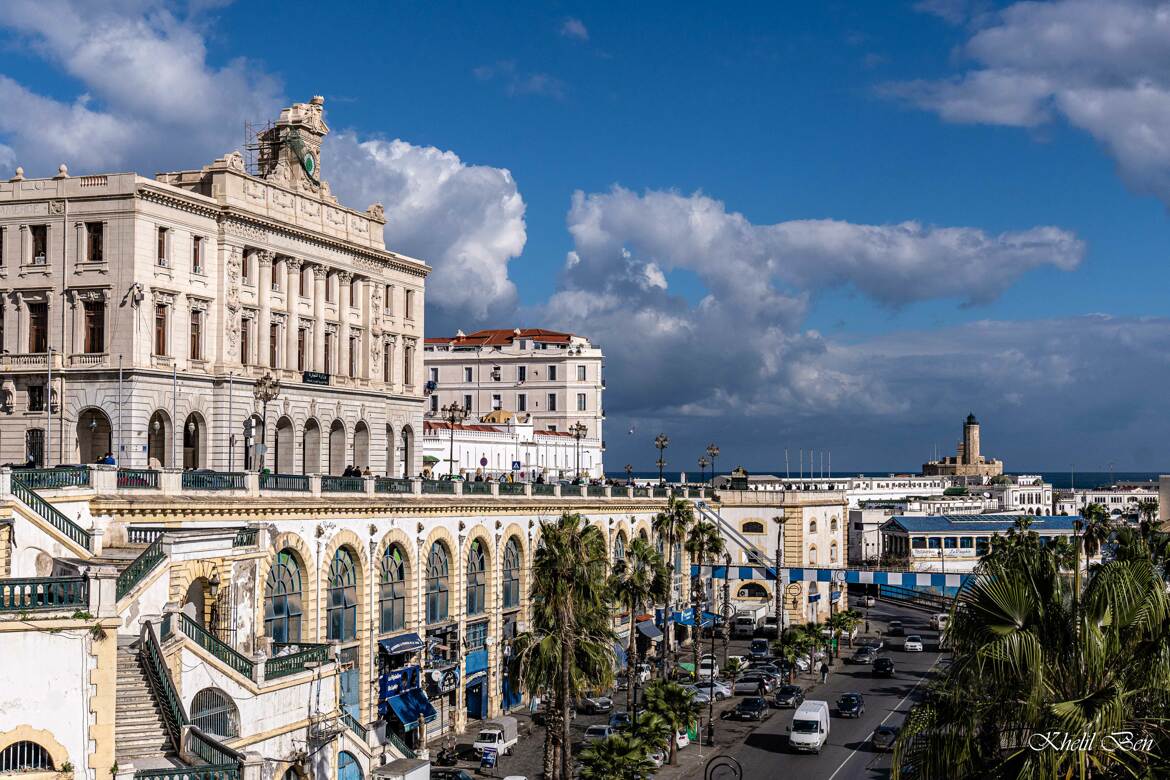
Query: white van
[810,727]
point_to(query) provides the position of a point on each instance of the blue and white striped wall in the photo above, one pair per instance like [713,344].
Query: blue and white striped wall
[904,579]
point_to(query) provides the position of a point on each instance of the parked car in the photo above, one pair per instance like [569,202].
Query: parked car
[772,680]
[748,685]
[620,721]
[876,644]
[850,705]
[751,708]
[681,740]
[708,668]
[883,667]
[598,732]
[867,601]
[896,628]
[771,627]
[760,650]
[658,757]
[699,698]
[884,738]
[719,690]
[595,705]
[864,655]
[913,644]
[789,696]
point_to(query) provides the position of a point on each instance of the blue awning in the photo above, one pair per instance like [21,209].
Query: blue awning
[409,705]
[476,661]
[619,654]
[403,643]
[650,630]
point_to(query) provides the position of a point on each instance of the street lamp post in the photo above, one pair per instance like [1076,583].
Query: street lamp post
[726,605]
[661,442]
[454,414]
[713,452]
[703,463]
[267,388]
[629,474]
[578,430]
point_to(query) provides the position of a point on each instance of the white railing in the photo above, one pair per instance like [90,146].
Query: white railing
[88,359]
[26,360]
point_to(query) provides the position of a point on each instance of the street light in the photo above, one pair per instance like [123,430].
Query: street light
[629,474]
[578,430]
[266,389]
[454,414]
[703,463]
[713,452]
[661,442]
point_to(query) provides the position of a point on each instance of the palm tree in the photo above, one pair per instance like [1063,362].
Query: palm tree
[674,704]
[570,647]
[639,580]
[732,669]
[844,622]
[796,642]
[671,526]
[703,544]
[653,730]
[618,757]
[1148,512]
[1098,527]
[1095,668]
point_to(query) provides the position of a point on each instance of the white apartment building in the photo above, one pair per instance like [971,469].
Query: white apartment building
[556,378]
[506,443]
[1017,494]
[138,314]
[1122,500]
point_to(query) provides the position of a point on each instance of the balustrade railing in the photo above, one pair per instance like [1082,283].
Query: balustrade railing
[212,644]
[399,745]
[140,535]
[641,492]
[211,772]
[661,492]
[213,480]
[51,514]
[477,489]
[512,489]
[159,678]
[30,594]
[140,567]
[543,489]
[60,477]
[212,751]
[138,478]
[392,485]
[284,482]
[595,490]
[438,486]
[353,725]
[245,537]
[293,662]
[342,484]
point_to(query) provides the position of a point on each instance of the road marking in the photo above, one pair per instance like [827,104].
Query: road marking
[888,716]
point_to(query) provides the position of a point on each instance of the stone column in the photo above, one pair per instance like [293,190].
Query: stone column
[25,245]
[367,343]
[344,279]
[460,721]
[21,322]
[292,292]
[80,244]
[78,310]
[320,273]
[264,296]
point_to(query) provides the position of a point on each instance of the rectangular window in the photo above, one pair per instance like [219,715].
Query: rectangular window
[967,542]
[302,337]
[277,274]
[408,366]
[304,285]
[467,374]
[552,373]
[521,402]
[36,398]
[950,542]
[552,428]
[95,326]
[160,330]
[552,402]
[273,344]
[580,373]
[521,373]
[38,327]
[162,246]
[94,241]
[434,404]
[580,402]
[496,402]
[196,352]
[467,402]
[387,364]
[390,299]
[246,341]
[434,372]
[40,244]
[409,308]
[918,542]
[477,634]
[246,268]
[196,255]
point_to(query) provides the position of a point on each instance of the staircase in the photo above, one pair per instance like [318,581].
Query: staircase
[140,735]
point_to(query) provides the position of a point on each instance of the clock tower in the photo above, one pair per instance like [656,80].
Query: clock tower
[290,150]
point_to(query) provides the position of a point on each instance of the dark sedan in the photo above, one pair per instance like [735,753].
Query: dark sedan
[851,705]
[751,708]
[883,667]
[864,655]
[789,696]
[884,738]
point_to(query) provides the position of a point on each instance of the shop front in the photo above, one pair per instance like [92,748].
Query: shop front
[475,680]
[402,702]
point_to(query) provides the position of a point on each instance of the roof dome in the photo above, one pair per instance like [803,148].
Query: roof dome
[971,420]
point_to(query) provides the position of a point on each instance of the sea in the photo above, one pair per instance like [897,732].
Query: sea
[1062,480]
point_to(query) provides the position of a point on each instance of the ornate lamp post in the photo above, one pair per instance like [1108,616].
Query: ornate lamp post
[454,414]
[267,388]
[703,463]
[661,442]
[713,452]
[578,430]
[629,474]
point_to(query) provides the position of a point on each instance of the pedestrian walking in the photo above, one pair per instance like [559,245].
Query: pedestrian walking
[824,673]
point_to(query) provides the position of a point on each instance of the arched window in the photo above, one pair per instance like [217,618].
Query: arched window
[282,599]
[213,711]
[753,527]
[833,552]
[342,610]
[392,597]
[347,767]
[24,756]
[438,584]
[812,554]
[476,579]
[512,573]
[752,590]
[833,525]
[812,526]
[619,547]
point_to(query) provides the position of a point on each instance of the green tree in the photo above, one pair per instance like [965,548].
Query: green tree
[639,581]
[671,528]
[732,669]
[844,623]
[1148,514]
[704,543]
[618,757]
[674,704]
[653,730]
[570,647]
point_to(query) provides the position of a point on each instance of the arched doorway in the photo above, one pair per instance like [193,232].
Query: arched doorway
[194,442]
[93,436]
[361,446]
[311,448]
[391,444]
[407,451]
[337,447]
[253,448]
[158,439]
[195,601]
[284,446]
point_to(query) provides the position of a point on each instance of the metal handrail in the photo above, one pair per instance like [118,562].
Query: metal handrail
[595,490]
[543,489]
[138,478]
[245,537]
[331,484]
[210,772]
[140,567]
[50,513]
[444,486]
[392,485]
[210,749]
[477,488]
[398,744]
[512,489]
[28,594]
[217,647]
[213,480]
[284,665]
[352,723]
[284,482]
[59,477]
[140,535]
[159,678]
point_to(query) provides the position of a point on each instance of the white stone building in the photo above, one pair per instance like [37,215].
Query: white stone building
[504,443]
[155,304]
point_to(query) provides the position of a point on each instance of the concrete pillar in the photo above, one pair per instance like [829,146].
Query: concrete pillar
[320,273]
[264,295]
[344,280]
[77,310]
[292,292]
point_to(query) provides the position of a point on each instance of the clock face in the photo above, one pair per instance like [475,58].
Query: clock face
[310,164]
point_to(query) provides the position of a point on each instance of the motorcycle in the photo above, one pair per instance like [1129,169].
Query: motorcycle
[448,756]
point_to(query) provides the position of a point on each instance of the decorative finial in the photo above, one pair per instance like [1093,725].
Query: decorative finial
[19,174]
[62,171]
[317,100]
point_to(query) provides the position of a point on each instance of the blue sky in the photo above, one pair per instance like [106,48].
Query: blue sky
[829,225]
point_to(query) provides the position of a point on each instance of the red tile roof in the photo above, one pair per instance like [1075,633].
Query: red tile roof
[446,426]
[497,337]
